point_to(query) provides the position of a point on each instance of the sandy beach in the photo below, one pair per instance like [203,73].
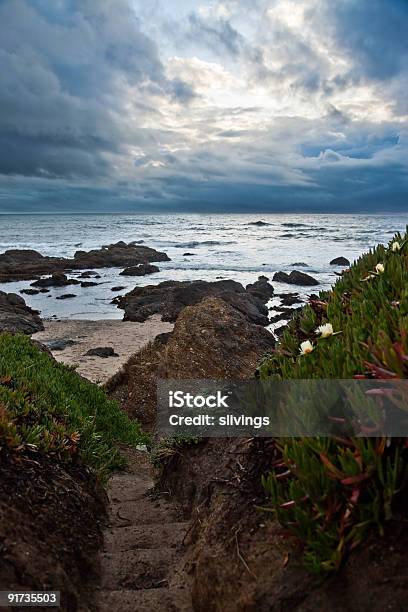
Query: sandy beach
[125,337]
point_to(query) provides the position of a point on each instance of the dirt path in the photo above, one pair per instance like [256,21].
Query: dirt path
[142,547]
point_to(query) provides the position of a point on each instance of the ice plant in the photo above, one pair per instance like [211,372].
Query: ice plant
[306,347]
[355,484]
[325,330]
[395,247]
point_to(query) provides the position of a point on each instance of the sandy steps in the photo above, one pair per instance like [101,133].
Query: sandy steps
[169,600]
[142,548]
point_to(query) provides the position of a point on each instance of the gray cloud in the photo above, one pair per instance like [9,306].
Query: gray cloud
[226,110]
[70,72]
[374,32]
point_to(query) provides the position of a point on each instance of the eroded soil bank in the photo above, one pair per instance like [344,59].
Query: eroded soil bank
[51,521]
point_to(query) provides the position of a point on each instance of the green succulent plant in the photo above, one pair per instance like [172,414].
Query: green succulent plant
[330,491]
[47,408]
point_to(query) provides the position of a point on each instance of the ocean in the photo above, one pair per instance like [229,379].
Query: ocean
[225,246]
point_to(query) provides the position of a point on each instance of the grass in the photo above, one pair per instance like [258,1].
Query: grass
[46,407]
[331,492]
[169,446]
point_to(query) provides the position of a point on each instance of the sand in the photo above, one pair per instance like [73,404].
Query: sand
[125,337]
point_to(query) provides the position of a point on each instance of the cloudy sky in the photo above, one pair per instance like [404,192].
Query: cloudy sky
[195,105]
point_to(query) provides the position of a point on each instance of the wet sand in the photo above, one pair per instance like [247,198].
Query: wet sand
[125,337]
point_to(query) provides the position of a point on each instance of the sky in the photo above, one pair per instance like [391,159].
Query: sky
[202,106]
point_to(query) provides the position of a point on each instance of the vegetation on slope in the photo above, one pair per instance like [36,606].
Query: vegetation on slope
[47,408]
[331,491]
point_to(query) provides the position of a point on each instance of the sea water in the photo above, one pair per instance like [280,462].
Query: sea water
[225,246]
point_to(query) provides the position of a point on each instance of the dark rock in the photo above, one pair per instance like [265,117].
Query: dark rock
[16,316]
[211,339]
[25,264]
[89,284]
[56,280]
[30,291]
[281,277]
[300,264]
[140,270]
[261,289]
[102,351]
[286,313]
[288,299]
[66,296]
[259,223]
[117,255]
[295,278]
[170,297]
[60,344]
[188,254]
[281,316]
[87,274]
[300,278]
[120,288]
[340,261]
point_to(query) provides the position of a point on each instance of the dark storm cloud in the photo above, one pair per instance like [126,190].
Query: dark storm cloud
[375,34]
[234,105]
[67,71]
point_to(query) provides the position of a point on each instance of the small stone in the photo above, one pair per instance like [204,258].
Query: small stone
[66,296]
[340,261]
[102,351]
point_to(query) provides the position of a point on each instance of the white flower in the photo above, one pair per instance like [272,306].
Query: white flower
[306,347]
[379,268]
[395,247]
[325,330]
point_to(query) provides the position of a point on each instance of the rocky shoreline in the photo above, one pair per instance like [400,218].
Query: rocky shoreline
[26,264]
[148,310]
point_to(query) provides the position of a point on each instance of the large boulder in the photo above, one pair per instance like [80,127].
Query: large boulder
[214,340]
[26,264]
[117,255]
[16,316]
[170,297]
[295,278]
[210,339]
[261,289]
